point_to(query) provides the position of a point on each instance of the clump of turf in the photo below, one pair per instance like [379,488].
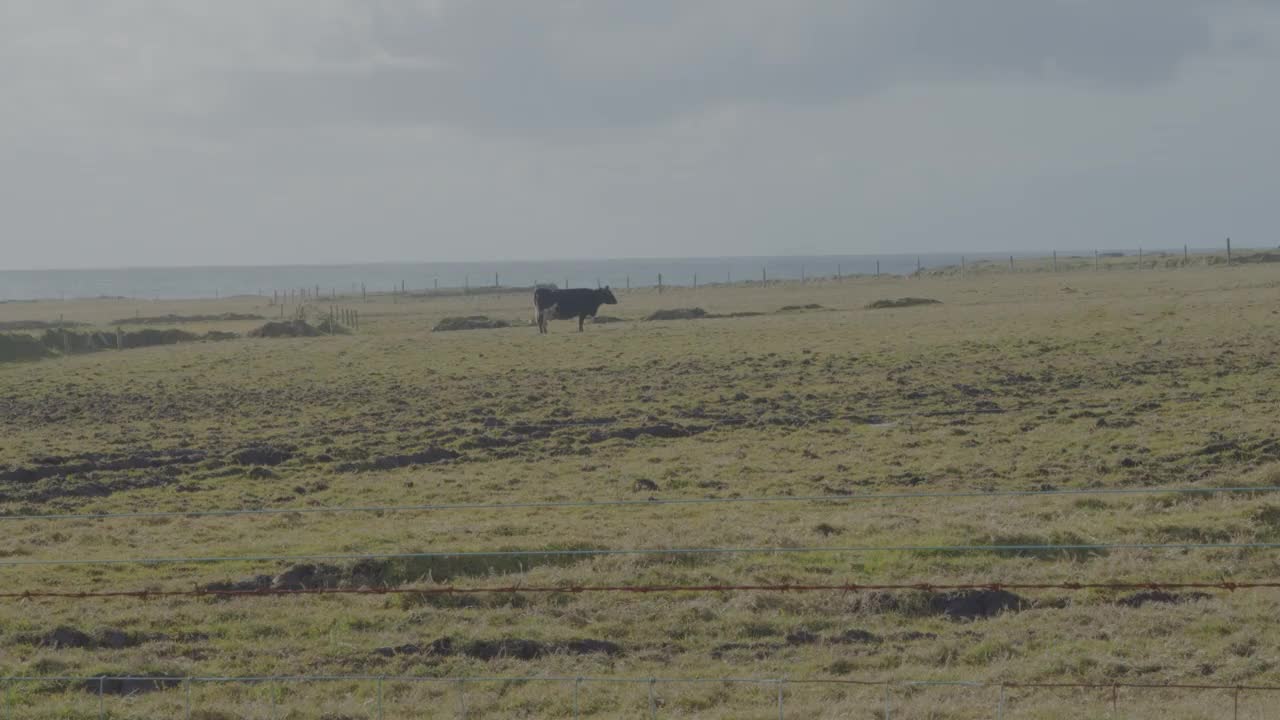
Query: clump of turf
[471,322]
[902,302]
[290,328]
[696,313]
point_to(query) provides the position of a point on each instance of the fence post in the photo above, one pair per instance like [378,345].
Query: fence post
[1139,258]
[782,686]
[1055,261]
[887,710]
[877,268]
[919,267]
[379,697]
[659,283]
[1185,258]
[462,699]
[1228,251]
[188,683]
[577,683]
[695,281]
[1000,705]
[837,271]
[802,278]
[653,702]
[1095,261]
[495,280]
[1114,693]
[1235,704]
[1010,263]
[628,282]
[961,267]
[764,276]
[8,700]
[102,687]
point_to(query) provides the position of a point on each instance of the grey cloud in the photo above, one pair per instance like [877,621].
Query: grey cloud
[547,66]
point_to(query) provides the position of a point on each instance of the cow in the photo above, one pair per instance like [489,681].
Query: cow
[549,304]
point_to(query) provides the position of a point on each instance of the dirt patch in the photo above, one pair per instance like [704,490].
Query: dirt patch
[285,329]
[678,314]
[178,319]
[1160,597]
[902,302]
[471,322]
[60,468]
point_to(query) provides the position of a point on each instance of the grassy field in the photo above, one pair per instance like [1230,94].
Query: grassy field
[1024,381]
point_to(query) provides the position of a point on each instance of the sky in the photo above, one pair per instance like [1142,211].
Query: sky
[188,132]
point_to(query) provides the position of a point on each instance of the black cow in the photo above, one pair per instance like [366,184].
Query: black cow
[551,304]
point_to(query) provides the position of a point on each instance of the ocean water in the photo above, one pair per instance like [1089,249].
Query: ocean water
[209,282]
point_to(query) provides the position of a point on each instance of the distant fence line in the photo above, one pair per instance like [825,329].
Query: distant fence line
[662,281]
[651,502]
[779,687]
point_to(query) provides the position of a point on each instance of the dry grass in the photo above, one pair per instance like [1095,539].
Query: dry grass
[1113,379]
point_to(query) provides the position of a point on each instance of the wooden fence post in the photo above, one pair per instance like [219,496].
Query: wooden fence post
[1055,261]
[1228,251]
[659,283]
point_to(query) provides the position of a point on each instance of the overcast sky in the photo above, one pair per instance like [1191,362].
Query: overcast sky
[187,132]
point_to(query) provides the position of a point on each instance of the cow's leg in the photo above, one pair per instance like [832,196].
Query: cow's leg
[581,318]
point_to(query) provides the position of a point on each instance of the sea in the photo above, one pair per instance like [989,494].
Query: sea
[171,283]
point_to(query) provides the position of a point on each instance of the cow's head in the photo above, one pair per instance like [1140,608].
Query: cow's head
[606,296]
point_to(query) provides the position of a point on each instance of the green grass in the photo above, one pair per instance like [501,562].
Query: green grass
[1162,379]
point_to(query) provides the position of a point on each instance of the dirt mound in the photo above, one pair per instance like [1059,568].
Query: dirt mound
[902,302]
[972,604]
[696,313]
[662,430]
[284,329]
[178,319]
[1146,597]
[471,322]
[392,462]
[108,638]
[262,455]
[136,685]
[513,648]
[65,637]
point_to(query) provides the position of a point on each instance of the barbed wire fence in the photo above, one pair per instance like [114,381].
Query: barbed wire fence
[136,685]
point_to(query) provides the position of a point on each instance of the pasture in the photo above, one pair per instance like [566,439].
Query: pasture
[1030,381]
